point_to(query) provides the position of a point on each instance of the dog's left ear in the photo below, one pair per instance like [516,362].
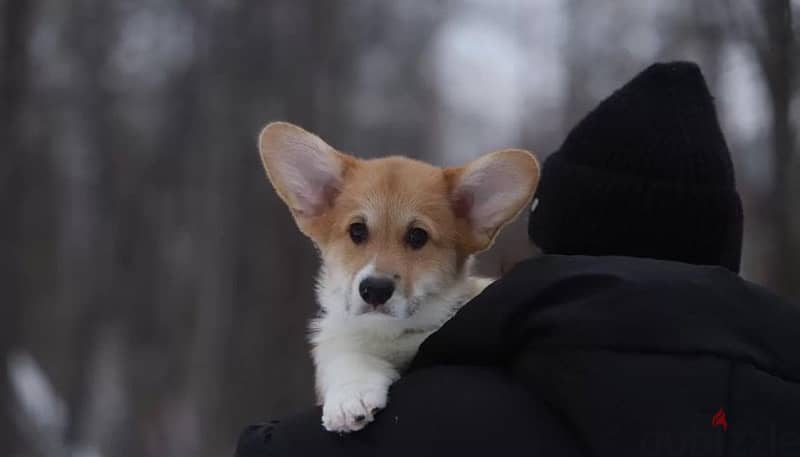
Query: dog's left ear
[490,192]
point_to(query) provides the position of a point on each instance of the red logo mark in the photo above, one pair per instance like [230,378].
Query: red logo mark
[720,420]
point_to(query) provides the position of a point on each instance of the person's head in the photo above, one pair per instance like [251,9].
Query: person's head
[645,174]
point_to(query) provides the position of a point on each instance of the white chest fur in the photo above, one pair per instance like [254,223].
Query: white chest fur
[357,358]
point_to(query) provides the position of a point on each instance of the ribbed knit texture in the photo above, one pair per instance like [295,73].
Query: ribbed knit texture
[646,174]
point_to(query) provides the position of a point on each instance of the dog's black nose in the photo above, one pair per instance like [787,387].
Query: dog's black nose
[376,291]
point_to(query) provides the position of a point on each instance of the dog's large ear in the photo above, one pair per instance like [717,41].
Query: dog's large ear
[490,192]
[306,172]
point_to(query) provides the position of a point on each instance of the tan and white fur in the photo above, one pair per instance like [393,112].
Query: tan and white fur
[396,238]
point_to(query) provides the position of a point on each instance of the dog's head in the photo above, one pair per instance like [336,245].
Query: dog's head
[392,232]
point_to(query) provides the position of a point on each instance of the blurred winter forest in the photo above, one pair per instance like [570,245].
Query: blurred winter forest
[155,291]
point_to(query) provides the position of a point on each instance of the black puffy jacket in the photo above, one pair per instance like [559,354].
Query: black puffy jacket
[595,356]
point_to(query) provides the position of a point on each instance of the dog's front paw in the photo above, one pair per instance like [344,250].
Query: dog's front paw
[350,407]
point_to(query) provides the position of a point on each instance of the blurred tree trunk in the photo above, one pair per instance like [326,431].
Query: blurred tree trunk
[235,216]
[777,55]
[16,24]
[88,243]
[707,32]
[578,99]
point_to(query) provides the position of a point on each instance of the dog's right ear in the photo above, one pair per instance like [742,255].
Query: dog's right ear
[305,171]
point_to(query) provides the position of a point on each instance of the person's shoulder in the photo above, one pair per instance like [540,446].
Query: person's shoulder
[621,304]
[673,288]
[631,268]
[656,306]
[635,272]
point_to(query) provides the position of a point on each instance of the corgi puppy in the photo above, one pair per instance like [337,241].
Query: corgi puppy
[396,238]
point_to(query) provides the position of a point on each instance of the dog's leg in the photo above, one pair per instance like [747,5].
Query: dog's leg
[353,385]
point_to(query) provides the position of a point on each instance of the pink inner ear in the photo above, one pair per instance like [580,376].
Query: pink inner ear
[316,203]
[311,180]
[462,203]
[488,193]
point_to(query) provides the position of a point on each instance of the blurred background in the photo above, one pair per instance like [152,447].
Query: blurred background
[155,291]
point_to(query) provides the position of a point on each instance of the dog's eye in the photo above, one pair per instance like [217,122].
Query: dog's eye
[358,232]
[416,237]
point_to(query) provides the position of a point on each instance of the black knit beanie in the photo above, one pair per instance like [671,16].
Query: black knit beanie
[645,174]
